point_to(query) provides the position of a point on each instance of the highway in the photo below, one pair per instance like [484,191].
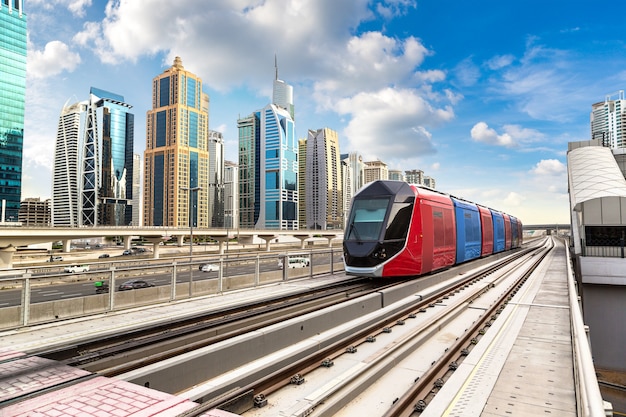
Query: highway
[51,284]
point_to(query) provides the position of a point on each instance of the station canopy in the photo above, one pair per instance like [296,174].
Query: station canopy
[593,174]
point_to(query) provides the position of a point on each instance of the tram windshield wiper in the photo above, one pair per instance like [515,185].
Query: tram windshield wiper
[354,231]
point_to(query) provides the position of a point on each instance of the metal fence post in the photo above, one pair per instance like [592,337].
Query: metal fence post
[112,289]
[257,277]
[26,300]
[173,283]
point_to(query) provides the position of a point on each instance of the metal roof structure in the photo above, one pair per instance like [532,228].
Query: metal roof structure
[593,173]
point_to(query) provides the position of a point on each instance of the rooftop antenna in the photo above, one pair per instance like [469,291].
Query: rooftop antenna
[276,66]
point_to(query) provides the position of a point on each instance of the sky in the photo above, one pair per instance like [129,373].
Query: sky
[482,96]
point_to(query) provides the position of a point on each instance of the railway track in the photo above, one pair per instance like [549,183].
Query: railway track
[452,309]
[114,355]
[133,357]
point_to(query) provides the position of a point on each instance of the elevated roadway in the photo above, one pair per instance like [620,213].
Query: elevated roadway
[13,237]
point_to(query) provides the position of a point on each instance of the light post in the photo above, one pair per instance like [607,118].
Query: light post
[191,191]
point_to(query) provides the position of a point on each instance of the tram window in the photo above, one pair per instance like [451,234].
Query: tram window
[398,223]
[367,219]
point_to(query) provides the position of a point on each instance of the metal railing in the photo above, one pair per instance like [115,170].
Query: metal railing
[588,397]
[185,281]
[615,250]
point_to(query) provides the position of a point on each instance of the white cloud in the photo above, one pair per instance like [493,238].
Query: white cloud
[467,72]
[54,59]
[514,199]
[500,61]
[390,123]
[76,7]
[550,175]
[482,133]
[542,83]
[551,167]
[392,8]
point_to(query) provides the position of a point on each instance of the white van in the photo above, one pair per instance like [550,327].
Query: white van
[295,262]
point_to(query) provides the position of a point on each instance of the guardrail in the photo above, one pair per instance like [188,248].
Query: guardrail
[588,397]
[233,273]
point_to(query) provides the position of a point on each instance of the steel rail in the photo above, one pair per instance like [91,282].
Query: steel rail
[426,387]
[244,397]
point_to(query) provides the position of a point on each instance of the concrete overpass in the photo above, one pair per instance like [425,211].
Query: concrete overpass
[13,237]
[547,226]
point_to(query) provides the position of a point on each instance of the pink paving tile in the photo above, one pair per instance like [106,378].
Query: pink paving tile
[27,374]
[79,400]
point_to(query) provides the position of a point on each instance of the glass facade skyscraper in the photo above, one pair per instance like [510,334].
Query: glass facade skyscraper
[12,96]
[268,170]
[268,164]
[176,159]
[93,164]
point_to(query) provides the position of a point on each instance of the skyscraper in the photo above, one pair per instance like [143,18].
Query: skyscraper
[324,196]
[608,121]
[375,170]
[302,183]
[93,164]
[249,166]
[216,179]
[107,161]
[176,166]
[231,195]
[268,167]
[12,96]
[66,166]
[136,201]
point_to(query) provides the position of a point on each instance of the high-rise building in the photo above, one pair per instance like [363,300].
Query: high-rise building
[176,165]
[93,164]
[249,167]
[346,179]
[302,183]
[107,161]
[414,176]
[396,175]
[34,212]
[12,97]
[216,179]
[608,121]
[231,195]
[323,190]
[282,93]
[375,170]
[356,166]
[136,200]
[429,182]
[66,166]
[268,169]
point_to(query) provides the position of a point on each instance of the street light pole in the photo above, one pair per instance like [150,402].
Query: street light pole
[191,191]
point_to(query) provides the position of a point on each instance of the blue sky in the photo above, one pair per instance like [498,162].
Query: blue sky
[482,96]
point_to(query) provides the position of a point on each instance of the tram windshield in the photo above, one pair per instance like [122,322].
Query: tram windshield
[367,219]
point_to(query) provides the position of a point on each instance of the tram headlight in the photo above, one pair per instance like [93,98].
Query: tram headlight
[382,254]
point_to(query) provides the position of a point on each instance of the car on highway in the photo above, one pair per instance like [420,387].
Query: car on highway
[104,255]
[134,284]
[127,252]
[55,259]
[76,268]
[209,268]
[295,262]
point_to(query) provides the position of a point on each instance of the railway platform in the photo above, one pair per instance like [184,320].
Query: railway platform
[532,360]
[528,364]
